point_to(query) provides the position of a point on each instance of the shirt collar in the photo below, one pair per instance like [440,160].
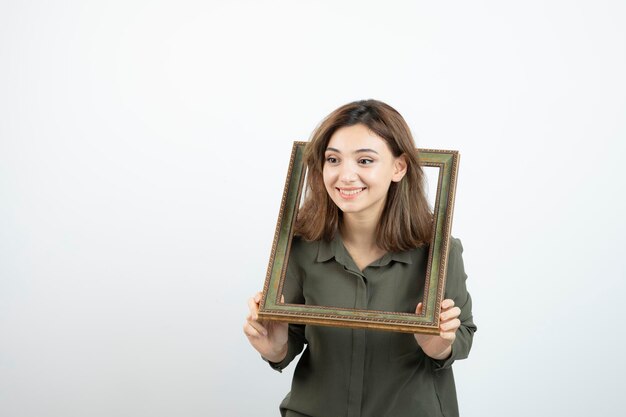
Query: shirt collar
[336,249]
[325,250]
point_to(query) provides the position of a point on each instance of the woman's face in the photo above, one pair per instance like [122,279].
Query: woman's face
[358,170]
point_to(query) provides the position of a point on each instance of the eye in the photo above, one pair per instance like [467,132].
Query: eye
[365,161]
[331,159]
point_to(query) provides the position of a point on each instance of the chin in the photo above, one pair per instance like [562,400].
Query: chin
[347,208]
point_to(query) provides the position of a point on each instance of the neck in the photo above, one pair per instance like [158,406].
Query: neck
[359,231]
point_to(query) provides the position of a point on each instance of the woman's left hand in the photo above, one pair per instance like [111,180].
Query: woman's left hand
[440,346]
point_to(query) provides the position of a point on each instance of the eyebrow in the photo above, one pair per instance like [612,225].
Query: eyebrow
[357,151]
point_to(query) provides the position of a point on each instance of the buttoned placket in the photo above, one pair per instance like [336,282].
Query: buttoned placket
[359,336]
[357,366]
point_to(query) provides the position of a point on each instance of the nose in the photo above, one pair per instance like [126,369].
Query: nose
[348,173]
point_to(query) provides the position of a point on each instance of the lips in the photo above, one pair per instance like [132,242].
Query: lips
[350,193]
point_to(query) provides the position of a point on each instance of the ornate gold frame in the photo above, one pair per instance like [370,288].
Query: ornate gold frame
[271,307]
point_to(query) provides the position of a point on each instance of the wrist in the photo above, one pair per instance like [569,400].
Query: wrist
[434,347]
[445,354]
[278,355]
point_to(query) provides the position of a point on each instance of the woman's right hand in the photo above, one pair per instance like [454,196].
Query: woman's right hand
[269,338]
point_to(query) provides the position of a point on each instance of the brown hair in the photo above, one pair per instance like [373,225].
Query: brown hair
[406,220]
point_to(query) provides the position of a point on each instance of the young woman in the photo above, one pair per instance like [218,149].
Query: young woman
[362,242]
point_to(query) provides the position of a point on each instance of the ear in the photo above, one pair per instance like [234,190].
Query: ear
[399,168]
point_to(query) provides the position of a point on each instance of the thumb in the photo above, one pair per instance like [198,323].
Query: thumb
[282,299]
[418,309]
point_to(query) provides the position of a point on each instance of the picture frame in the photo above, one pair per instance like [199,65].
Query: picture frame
[272,308]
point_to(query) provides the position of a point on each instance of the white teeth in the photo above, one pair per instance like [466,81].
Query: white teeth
[351,192]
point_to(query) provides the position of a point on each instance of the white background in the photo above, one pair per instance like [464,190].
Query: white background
[143,150]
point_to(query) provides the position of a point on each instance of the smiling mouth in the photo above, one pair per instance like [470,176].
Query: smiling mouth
[350,192]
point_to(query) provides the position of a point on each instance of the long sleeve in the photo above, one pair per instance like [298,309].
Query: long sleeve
[457,291]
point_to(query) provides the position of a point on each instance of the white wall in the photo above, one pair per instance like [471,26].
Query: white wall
[143,149]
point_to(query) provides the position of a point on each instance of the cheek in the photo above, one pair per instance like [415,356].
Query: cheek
[378,179]
[329,182]
[327,178]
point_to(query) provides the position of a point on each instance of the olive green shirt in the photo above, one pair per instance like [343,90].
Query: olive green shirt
[368,373]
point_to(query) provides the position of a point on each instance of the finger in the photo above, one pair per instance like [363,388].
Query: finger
[418,309]
[250,331]
[447,303]
[257,297]
[448,336]
[254,308]
[282,299]
[450,314]
[258,327]
[450,326]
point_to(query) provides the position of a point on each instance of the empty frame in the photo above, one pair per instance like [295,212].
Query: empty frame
[440,168]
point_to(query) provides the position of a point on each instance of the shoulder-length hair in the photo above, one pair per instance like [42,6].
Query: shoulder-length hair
[406,220]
